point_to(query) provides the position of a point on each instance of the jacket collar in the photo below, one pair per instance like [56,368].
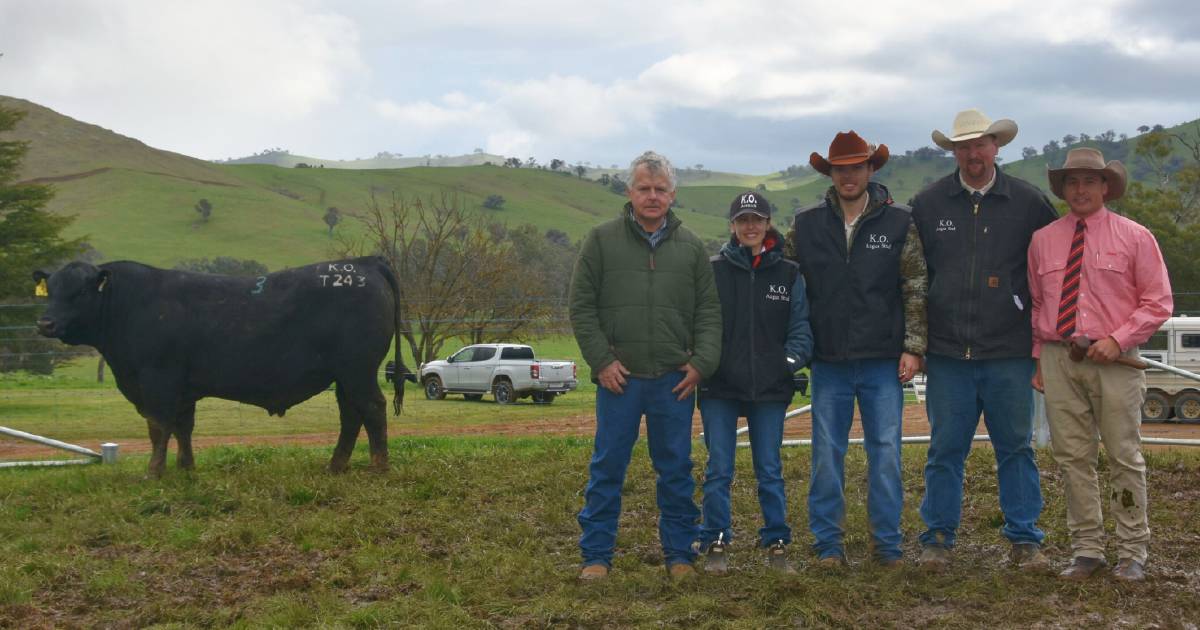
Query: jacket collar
[952,185]
[877,197]
[741,256]
[672,221]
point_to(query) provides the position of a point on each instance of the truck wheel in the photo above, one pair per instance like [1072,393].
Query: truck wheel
[1187,407]
[433,388]
[502,391]
[543,397]
[1155,408]
[473,397]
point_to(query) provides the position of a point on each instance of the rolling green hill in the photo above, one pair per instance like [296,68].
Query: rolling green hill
[134,201]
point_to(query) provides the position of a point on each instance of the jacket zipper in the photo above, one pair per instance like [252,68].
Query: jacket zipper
[971,282]
[753,354]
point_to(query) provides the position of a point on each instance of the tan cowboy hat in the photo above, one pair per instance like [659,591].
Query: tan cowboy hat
[1089,159]
[972,123]
[848,148]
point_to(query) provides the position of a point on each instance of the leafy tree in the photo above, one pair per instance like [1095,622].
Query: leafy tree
[580,170]
[1083,137]
[513,162]
[30,238]
[332,217]
[1069,139]
[1029,152]
[493,202]
[1050,148]
[604,179]
[558,237]
[761,188]
[224,265]
[204,208]
[1143,129]
[556,164]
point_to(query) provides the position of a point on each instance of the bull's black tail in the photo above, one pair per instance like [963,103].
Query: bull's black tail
[402,374]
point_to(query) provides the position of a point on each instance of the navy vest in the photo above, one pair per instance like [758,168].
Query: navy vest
[854,294]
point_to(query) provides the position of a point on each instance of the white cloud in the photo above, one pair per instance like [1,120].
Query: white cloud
[182,70]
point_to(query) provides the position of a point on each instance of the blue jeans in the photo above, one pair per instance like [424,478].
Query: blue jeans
[720,436]
[669,434]
[835,386]
[956,393]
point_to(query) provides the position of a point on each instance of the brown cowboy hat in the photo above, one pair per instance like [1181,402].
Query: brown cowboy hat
[1089,159]
[848,148]
[972,123]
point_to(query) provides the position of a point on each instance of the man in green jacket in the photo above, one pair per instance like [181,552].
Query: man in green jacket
[647,318]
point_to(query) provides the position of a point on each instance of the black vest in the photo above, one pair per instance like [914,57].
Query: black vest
[756,308]
[854,295]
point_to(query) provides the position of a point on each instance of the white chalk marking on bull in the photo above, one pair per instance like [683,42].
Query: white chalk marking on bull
[258,288]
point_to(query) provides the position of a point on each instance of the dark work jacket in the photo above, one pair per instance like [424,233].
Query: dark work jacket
[979,305]
[764,316]
[856,293]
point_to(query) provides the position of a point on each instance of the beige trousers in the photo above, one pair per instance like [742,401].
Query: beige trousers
[1083,399]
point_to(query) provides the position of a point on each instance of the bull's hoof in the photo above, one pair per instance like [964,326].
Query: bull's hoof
[338,466]
[153,474]
[379,464]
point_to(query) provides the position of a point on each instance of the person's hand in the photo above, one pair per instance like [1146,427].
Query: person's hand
[612,377]
[1037,381]
[1104,351]
[910,364]
[690,380]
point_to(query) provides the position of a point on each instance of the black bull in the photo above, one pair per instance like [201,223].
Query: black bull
[174,337]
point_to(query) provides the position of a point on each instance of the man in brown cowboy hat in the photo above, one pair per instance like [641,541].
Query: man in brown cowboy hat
[975,226]
[1099,276]
[865,275]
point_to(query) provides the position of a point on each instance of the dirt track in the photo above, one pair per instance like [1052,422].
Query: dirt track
[915,423]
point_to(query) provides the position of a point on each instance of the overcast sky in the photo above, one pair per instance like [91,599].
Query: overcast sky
[744,85]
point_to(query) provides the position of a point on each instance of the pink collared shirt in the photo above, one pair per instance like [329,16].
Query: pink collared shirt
[1124,290]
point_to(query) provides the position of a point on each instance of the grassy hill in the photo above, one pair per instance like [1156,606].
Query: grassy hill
[135,202]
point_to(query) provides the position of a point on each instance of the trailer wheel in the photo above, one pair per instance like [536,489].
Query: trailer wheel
[1155,408]
[1187,407]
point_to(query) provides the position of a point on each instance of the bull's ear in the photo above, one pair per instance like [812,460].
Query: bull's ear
[102,279]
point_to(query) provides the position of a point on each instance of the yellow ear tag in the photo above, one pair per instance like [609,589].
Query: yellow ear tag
[41,290]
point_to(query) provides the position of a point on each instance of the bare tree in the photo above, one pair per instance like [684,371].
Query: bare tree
[457,279]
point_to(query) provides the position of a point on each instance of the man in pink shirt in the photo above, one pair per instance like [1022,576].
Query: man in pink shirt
[1096,275]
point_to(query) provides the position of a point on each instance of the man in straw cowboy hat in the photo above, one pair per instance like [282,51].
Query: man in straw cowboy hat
[862,263]
[975,227]
[1099,276]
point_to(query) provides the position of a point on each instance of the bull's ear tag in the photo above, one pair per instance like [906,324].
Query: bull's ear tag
[41,290]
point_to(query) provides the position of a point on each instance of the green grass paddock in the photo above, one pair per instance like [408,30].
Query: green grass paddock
[478,532]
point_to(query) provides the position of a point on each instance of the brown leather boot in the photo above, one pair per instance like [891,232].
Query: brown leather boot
[1129,570]
[1082,568]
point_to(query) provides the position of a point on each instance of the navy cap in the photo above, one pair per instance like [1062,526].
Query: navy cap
[750,201]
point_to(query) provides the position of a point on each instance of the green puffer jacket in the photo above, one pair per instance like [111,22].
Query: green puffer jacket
[654,310]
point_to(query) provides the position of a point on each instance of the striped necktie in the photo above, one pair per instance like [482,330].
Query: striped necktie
[1070,289]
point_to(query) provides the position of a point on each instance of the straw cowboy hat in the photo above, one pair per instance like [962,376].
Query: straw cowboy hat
[848,148]
[1089,159]
[972,123]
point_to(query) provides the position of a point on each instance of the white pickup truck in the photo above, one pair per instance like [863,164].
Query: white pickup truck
[509,371]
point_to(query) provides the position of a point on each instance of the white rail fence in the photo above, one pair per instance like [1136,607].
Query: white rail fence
[1041,430]
[107,454]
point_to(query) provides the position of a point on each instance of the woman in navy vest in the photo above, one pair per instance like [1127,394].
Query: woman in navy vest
[765,339]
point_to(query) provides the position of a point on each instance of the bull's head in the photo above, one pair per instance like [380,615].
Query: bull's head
[75,293]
